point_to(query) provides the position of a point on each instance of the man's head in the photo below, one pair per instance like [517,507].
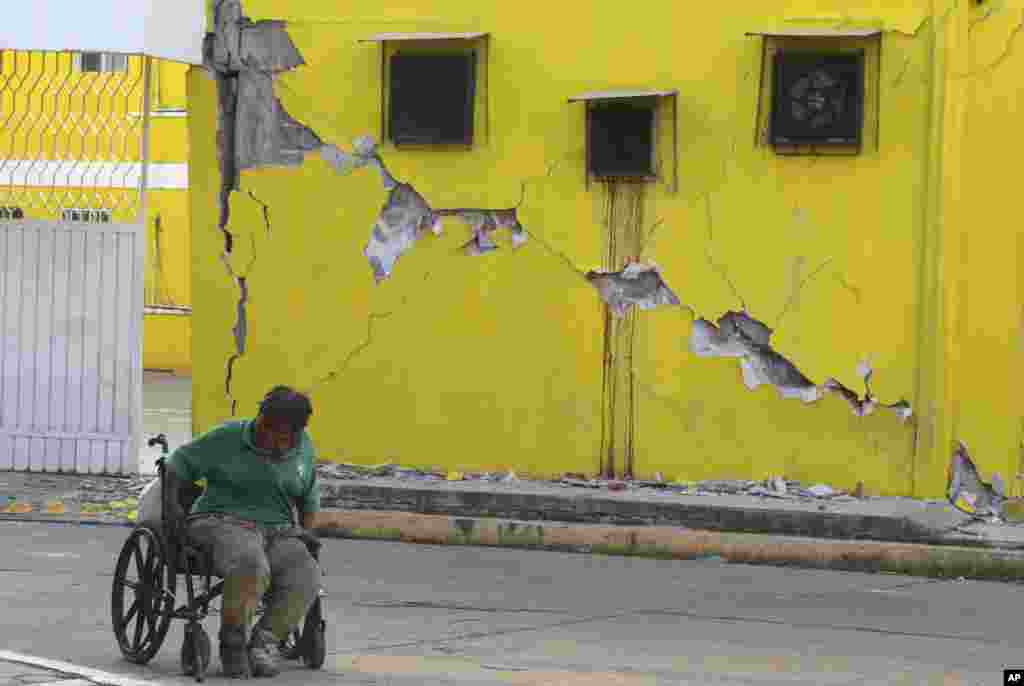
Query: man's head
[284,413]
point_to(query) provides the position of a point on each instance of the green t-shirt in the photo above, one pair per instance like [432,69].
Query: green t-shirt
[241,480]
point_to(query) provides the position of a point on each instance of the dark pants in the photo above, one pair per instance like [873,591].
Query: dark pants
[277,557]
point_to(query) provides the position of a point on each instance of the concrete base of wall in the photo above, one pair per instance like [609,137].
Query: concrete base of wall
[680,544]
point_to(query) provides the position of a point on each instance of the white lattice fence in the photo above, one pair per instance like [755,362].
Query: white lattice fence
[72,196]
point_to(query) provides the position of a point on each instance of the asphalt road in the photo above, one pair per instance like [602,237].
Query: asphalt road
[400,615]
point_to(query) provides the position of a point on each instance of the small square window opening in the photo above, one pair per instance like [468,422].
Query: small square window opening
[431,99]
[817,98]
[98,62]
[621,139]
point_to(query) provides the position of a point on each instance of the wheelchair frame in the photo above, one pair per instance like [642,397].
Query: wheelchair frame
[159,559]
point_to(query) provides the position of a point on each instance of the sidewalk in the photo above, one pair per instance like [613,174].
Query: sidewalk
[838,532]
[775,523]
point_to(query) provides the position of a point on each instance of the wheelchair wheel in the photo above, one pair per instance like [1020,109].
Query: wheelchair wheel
[196,651]
[314,641]
[140,606]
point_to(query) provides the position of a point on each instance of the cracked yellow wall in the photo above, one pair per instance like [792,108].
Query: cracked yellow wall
[988,292]
[495,362]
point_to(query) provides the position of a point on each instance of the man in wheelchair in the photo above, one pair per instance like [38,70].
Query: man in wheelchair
[255,469]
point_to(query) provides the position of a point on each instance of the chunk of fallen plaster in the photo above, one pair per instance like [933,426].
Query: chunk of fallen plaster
[638,285]
[405,217]
[968,493]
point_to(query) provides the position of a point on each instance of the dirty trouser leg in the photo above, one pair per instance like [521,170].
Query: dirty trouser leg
[238,556]
[295,582]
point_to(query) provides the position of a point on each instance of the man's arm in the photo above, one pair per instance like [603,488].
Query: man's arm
[186,466]
[310,503]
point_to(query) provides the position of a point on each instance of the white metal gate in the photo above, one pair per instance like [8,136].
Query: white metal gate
[73,151]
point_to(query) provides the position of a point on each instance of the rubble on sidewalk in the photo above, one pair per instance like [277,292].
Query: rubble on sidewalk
[772,487]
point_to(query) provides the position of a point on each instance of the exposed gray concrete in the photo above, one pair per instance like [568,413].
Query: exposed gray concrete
[403,615]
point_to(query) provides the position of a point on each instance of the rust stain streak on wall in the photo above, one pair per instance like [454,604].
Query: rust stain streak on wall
[624,241]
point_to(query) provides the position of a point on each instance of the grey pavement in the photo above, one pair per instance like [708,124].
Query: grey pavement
[401,614]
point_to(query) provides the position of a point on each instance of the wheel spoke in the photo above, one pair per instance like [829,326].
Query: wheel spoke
[132,611]
[139,566]
[138,632]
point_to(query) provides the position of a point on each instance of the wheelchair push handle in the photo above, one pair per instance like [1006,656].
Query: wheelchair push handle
[160,440]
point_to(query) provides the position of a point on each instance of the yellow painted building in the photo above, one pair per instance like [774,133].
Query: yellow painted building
[70,143]
[843,172]
[167,335]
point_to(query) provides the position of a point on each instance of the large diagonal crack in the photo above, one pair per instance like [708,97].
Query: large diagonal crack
[240,330]
[254,130]
[741,336]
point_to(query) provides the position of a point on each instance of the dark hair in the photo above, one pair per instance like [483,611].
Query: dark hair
[287,404]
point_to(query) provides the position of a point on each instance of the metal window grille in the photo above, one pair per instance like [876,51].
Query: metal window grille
[71,137]
[11,213]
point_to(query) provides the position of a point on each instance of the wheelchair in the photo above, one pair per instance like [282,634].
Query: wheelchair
[156,560]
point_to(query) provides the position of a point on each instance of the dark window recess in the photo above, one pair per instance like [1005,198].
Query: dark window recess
[96,62]
[621,140]
[431,99]
[818,99]
[10,213]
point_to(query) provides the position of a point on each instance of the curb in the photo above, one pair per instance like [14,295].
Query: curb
[442,499]
[941,561]
[913,559]
[94,676]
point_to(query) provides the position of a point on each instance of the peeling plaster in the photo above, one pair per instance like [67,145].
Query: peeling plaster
[254,130]
[738,335]
[638,284]
[968,493]
[407,216]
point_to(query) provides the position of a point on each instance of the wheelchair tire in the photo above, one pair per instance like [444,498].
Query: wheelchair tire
[196,651]
[152,607]
[314,639]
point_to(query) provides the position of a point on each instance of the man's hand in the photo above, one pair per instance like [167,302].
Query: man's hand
[310,521]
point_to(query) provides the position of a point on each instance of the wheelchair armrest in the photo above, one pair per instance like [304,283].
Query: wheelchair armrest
[313,544]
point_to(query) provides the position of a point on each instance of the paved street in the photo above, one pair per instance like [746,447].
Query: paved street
[401,614]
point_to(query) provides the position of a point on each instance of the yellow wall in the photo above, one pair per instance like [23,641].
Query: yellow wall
[167,337]
[495,362]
